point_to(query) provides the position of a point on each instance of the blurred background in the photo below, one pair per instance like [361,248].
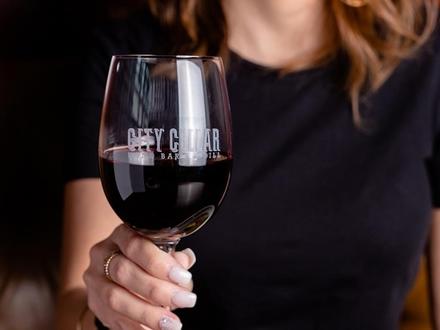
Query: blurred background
[42,43]
[41,47]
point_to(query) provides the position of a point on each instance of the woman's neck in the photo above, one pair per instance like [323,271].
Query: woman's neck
[275,33]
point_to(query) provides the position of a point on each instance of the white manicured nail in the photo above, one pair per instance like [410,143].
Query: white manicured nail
[191,256]
[179,275]
[167,323]
[184,299]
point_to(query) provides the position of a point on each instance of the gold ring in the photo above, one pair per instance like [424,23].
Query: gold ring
[107,262]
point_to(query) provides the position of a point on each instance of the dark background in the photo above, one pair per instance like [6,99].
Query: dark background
[42,43]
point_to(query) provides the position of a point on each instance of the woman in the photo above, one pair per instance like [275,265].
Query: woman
[336,172]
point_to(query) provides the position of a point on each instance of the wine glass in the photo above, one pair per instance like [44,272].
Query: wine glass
[165,149]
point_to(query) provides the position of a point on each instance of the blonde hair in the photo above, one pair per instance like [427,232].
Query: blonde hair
[375,38]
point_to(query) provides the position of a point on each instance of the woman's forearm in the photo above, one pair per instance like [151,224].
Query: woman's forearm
[71,307]
[87,219]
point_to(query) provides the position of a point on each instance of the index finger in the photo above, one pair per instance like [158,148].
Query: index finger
[149,257]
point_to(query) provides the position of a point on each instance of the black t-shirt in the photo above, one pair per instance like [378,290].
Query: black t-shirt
[324,224]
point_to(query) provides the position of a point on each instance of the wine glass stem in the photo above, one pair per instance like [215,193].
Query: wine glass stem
[168,246]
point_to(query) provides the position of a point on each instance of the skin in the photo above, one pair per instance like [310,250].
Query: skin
[92,232]
[271,33]
[275,33]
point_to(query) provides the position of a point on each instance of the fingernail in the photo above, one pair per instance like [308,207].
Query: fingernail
[179,275]
[184,299]
[191,256]
[167,323]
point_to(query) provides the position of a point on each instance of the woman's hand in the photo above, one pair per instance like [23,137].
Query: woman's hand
[147,283]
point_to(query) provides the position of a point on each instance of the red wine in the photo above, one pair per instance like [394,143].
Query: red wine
[164,197]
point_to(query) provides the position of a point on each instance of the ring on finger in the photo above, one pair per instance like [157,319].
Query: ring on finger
[107,262]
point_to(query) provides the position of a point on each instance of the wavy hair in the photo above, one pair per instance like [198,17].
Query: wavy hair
[375,38]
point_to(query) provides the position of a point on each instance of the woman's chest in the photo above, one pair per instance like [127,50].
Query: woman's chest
[310,190]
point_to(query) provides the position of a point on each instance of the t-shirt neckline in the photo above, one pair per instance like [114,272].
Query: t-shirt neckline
[249,66]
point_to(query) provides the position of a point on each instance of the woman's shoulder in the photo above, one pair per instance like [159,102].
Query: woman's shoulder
[430,50]
[427,57]
[420,70]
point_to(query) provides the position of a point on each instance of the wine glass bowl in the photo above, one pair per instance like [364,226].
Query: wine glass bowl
[165,149]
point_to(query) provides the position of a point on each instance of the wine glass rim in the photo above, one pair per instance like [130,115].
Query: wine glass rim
[165,57]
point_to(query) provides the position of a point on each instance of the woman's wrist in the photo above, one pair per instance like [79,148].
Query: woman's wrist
[99,324]
[86,320]
[71,310]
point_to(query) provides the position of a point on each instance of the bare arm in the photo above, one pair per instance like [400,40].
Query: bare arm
[88,219]
[144,278]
